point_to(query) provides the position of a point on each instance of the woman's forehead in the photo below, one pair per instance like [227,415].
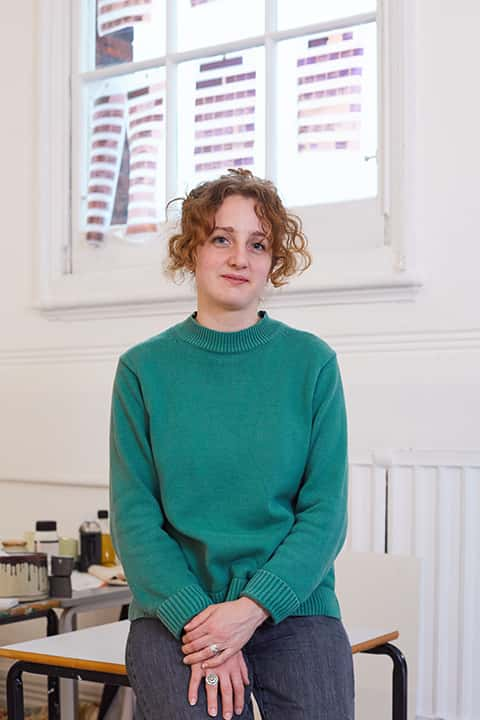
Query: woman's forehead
[237,211]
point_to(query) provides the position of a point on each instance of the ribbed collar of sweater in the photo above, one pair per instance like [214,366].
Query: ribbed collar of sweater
[218,341]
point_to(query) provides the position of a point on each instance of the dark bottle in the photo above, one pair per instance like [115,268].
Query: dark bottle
[90,544]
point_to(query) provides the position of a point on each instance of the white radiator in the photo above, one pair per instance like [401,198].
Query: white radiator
[426,504]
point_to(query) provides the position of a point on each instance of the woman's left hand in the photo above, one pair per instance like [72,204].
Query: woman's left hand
[228,625]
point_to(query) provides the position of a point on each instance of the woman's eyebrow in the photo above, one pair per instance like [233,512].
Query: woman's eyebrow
[231,230]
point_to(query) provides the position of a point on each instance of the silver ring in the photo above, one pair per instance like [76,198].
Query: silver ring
[211,679]
[214,649]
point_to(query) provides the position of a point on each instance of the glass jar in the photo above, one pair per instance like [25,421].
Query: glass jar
[108,553]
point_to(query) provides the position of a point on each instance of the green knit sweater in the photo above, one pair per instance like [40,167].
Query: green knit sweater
[228,470]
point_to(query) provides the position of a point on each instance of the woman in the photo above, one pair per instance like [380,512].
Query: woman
[229,482]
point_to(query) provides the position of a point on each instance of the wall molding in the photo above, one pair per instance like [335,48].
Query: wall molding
[380,457]
[85,481]
[348,343]
[55,355]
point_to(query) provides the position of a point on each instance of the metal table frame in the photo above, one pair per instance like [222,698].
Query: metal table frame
[399,678]
[64,695]
[84,601]
[15,705]
[15,681]
[52,629]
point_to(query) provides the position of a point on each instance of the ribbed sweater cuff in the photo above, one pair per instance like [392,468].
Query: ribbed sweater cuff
[273,594]
[180,607]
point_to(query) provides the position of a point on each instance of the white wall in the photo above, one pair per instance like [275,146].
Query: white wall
[410,369]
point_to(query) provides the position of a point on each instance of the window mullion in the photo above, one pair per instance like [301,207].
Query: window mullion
[171,90]
[124,68]
[88,24]
[270,89]
[384,99]
[326,26]
[224,48]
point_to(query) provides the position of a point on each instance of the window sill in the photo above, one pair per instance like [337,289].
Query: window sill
[400,286]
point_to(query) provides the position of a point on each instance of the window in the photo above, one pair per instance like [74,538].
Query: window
[166,94]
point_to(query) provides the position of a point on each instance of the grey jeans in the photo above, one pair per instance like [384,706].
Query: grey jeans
[300,669]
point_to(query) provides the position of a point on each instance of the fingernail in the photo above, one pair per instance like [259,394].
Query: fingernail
[227,716]
[192,701]
[204,665]
[212,712]
[238,711]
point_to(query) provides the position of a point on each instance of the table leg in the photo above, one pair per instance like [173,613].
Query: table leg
[53,682]
[15,692]
[68,688]
[52,629]
[400,678]
[110,691]
[68,623]
[15,683]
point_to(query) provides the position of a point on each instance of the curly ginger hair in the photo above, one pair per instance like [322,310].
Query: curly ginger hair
[288,243]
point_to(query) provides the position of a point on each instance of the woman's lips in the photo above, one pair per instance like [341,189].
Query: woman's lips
[234,281]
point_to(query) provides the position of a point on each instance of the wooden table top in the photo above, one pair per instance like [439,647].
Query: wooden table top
[102,647]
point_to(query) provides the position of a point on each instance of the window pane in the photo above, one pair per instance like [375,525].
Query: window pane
[208,22]
[125,184]
[129,30]
[304,12]
[221,121]
[327,116]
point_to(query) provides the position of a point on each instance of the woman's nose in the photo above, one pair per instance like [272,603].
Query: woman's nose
[238,255]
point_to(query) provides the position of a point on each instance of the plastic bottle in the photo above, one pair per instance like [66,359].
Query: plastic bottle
[108,553]
[46,540]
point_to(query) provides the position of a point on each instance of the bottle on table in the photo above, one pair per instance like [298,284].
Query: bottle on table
[108,553]
[90,544]
[46,540]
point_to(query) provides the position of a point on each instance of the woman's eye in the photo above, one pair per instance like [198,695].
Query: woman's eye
[221,240]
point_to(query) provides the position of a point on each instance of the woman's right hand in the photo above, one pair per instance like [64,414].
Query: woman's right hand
[232,677]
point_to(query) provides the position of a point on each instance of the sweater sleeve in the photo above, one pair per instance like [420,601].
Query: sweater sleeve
[155,566]
[307,553]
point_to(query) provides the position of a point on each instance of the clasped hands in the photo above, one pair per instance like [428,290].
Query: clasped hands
[229,626]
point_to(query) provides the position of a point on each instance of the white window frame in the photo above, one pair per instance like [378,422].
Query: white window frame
[384,271]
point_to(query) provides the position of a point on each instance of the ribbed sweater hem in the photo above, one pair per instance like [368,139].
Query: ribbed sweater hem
[273,594]
[278,598]
[176,610]
[181,607]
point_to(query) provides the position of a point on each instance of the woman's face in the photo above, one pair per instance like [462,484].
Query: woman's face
[237,248]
